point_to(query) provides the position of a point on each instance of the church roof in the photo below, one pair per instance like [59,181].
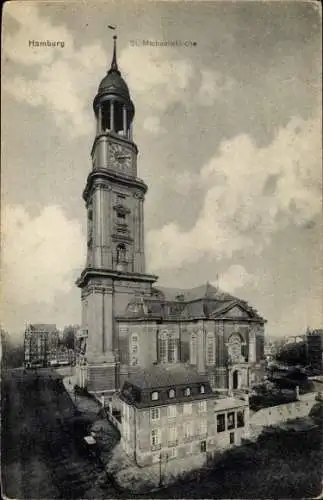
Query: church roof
[113,83]
[198,292]
[174,304]
[43,327]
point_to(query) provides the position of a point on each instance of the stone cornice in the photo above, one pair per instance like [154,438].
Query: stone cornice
[90,273]
[101,177]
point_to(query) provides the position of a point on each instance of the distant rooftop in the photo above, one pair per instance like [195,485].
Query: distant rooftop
[43,327]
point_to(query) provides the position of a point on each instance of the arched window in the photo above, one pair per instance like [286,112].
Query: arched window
[172,351]
[154,396]
[210,349]
[163,347]
[202,389]
[167,347]
[171,393]
[121,253]
[187,391]
[235,348]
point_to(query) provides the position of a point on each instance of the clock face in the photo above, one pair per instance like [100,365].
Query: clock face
[120,158]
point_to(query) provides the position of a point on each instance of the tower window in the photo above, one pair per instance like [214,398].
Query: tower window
[121,253]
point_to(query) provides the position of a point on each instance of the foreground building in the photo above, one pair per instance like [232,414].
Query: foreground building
[171,412]
[127,321]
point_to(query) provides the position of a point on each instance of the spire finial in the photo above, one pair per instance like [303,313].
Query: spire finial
[114,64]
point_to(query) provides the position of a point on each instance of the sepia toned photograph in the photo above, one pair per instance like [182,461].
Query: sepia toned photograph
[161,250]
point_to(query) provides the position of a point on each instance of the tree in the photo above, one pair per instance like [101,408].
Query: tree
[293,354]
[69,333]
[12,354]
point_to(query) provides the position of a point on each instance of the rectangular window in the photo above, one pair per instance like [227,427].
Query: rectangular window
[187,409]
[202,406]
[203,427]
[210,349]
[188,430]
[231,420]
[193,350]
[155,437]
[220,422]
[212,381]
[172,434]
[172,453]
[231,437]
[171,411]
[154,414]
[240,418]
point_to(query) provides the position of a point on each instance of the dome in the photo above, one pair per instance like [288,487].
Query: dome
[113,83]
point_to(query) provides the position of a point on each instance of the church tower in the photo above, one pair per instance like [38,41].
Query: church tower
[114,198]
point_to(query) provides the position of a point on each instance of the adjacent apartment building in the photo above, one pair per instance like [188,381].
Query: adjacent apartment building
[170,411]
[40,340]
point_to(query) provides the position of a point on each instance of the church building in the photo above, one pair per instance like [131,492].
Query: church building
[128,322]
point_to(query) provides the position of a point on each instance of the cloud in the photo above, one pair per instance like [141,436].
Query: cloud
[250,194]
[34,27]
[156,75]
[305,311]
[214,85]
[59,85]
[152,124]
[40,254]
[157,80]
[235,277]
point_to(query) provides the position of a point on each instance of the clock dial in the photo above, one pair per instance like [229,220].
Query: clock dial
[121,157]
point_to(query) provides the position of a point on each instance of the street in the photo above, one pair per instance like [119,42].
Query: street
[41,453]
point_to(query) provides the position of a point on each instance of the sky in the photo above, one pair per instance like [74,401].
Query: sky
[228,126]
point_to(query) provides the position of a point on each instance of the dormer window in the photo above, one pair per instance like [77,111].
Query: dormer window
[202,389]
[171,393]
[187,391]
[154,396]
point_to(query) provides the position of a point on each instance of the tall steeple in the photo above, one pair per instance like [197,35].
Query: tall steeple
[114,198]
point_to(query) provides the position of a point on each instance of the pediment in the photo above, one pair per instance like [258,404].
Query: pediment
[236,311]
